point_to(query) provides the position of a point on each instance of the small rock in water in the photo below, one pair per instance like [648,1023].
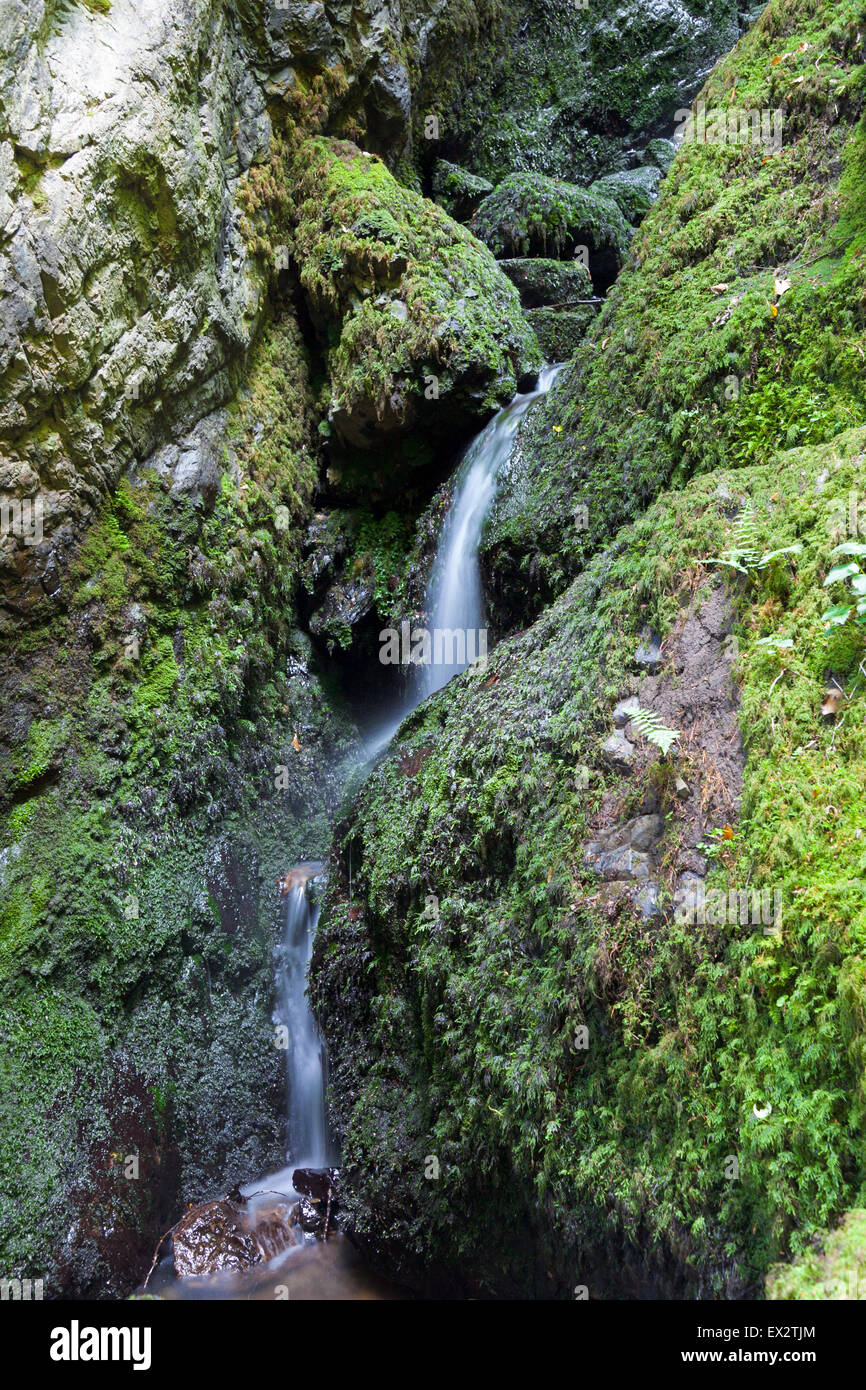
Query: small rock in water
[221,1235]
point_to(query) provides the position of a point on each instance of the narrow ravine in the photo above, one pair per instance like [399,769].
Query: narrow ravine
[310,1267]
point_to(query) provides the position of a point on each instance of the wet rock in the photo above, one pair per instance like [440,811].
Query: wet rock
[623,852]
[633,190]
[542,282]
[318,1183]
[647,899]
[625,711]
[659,152]
[561,331]
[220,1235]
[618,753]
[649,653]
[682,790]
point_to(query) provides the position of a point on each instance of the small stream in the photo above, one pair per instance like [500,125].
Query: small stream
[455,602]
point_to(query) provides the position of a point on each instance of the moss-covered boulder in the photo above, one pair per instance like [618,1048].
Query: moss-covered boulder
[561,331]
[457,190]
[633,190]
[532,215]
[420,327]
[542,281]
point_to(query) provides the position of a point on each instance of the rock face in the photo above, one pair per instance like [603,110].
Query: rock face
[126,289]
[129,294]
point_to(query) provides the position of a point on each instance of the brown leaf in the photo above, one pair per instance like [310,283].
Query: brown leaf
[296,744]
[721,288]
[832,700]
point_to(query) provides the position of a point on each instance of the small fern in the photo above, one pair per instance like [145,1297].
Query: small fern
[744,555]
[653,729]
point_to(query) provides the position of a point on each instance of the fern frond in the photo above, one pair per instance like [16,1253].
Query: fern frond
[652,728]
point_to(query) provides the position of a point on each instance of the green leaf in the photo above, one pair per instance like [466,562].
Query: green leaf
[850,548]
[838,614]
[841,572]
[774,554]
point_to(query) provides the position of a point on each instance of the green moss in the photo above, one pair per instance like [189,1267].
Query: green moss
[405,297]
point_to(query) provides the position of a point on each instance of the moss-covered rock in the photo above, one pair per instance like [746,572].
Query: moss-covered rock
[633,190]
[561,331]
[533,215]
[421,328]
[542,281]
[458,191]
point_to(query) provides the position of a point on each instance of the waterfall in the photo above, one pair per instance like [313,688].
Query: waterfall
[455,602]
[306,1131]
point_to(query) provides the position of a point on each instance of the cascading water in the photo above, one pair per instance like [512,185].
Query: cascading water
[455,602]
[306,1135]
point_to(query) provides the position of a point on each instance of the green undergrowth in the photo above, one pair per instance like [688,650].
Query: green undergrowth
[451,977]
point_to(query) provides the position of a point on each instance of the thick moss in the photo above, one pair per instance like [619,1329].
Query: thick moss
[421,328]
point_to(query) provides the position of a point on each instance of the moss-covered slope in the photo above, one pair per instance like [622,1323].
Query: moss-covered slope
[454,977]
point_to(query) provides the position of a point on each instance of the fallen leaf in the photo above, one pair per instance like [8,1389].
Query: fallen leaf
[774,311]
[780,286]
[604,342]
[721,288]
[550,873]
[832,700]
[296,744]
[728,833]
